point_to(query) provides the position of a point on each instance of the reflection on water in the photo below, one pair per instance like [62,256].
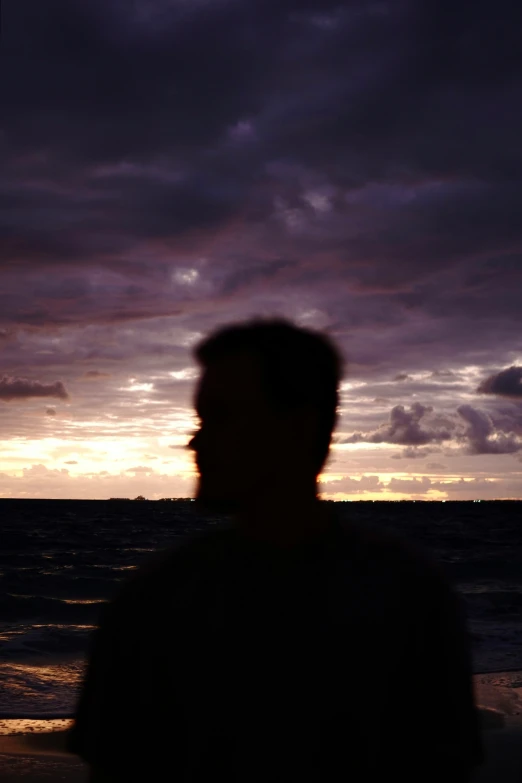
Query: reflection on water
[27,725]
[40,690]
[83,601]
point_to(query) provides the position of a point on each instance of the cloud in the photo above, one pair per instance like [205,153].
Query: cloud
[23,388]
[50,411]
[354,485]
[444,374]
[94,374]
[38,481]
[414,486]
[404,428]
[507,418]
[341,101]
[255,274]
[435,466]
[481,436]
[402,377]
[506,383]
[478,432]
[474,486]
[167,163]
[412,452]
[71,462]
[342,118]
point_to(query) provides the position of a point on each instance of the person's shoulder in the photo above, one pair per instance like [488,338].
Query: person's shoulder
[380,540]
[167,568]
[397,580]
[392,555]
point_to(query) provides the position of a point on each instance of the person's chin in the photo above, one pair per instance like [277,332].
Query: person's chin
[215,502]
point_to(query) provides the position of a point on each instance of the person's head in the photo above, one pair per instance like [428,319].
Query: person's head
[267,403]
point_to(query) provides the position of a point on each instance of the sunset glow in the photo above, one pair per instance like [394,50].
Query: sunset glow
[316,164]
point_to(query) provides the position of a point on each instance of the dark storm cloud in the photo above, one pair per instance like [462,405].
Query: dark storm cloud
[159,88]
[506,383]
[255,274]
[475,292]
[23,388]
[404,428]
[133,121]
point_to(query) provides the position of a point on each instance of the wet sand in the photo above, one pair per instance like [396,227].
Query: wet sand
[40,757]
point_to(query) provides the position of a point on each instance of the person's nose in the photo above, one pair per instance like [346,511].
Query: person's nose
[193,442]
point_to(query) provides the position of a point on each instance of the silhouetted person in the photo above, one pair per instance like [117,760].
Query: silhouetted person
[283,645]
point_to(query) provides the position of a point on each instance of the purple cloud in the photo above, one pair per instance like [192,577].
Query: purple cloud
[444,374]
[506,383]
[352,485]
[404,428]
[412,452]
[23,388]
[94,374]
[414,486]
[481,436]
[350,165]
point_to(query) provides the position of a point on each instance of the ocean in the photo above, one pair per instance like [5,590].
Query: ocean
[61,560]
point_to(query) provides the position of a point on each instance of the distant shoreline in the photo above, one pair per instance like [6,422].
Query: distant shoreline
[191,500]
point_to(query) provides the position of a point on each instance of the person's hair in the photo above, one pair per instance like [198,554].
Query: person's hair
[299,367]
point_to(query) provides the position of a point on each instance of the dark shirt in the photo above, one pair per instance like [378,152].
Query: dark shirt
[347,659]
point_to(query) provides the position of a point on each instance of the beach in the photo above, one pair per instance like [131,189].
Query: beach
[39,756]
[62,560]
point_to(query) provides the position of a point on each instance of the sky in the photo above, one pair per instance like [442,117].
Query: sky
[172,166]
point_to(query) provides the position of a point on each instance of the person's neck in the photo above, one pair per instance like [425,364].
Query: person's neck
[283,521]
